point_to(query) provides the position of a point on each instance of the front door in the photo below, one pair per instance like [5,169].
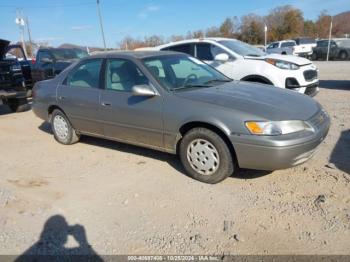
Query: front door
[127,117]
[79,97]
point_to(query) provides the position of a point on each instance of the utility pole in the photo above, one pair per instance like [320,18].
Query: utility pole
[21,23]
[329,38]
[30,37]
[101,25]
[265,30]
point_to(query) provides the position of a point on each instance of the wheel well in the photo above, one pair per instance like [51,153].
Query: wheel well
[343,52]
[188,126]
[52,108]
[258,79]
[283,53]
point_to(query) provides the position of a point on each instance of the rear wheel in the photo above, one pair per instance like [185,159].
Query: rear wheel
[63,131]
[206,156]
[314,56]
[18,104]
[343,55]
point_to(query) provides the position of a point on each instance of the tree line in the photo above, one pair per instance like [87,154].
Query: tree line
[283,22]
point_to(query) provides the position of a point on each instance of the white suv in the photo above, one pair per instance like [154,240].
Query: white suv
[241,61]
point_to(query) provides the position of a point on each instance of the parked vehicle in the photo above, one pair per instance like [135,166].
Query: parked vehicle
[241,61]
[304,46]
[13,90]
[339,49]
[51,61]
[282,47]
[175,103]
[261,47]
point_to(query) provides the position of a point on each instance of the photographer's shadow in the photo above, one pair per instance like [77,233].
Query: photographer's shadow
[51,245]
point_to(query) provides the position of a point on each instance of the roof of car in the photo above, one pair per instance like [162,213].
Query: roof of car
[135,54]
[186,41]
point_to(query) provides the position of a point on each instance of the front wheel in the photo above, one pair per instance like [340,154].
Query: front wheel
[63,131]
[314,57]
[206,156]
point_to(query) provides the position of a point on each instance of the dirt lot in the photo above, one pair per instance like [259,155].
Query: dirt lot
[131,200]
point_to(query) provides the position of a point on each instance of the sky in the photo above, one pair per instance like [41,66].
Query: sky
[76,21]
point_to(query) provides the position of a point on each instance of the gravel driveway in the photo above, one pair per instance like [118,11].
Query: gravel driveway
[105,197]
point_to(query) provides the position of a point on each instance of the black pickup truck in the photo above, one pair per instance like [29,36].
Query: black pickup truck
[51,61]
[339,49]
[13,88]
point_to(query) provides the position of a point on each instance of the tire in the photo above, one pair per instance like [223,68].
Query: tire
[62,129]
[18,104]
[215,158]
[343,55]
[314,57]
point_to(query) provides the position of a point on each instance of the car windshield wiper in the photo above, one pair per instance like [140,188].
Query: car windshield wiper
[218,80]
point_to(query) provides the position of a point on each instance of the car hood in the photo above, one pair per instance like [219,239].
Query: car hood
[289,58]
[262,101]
[3,47]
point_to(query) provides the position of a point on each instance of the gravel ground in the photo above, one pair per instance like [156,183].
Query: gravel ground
[105,197]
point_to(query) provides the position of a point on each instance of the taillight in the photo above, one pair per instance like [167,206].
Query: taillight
[33,61]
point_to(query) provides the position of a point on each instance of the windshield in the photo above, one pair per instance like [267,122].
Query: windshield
[241,48]
[64,54]
[183,72]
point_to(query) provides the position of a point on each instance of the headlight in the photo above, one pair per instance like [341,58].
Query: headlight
[282,64]
[15,67]
[274,128]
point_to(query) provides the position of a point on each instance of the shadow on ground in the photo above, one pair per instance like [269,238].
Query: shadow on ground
[53,238]
[5,110]
[335,84]
[171,159]
[340,156]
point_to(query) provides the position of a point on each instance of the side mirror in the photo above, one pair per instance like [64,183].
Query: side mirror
[143,90]
[221,57]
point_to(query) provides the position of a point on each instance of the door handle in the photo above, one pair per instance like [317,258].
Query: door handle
[106,104]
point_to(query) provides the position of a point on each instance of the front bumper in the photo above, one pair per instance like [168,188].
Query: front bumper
[272,153]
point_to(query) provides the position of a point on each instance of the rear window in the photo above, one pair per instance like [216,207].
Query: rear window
[303,41]
[185,48]
[288,44]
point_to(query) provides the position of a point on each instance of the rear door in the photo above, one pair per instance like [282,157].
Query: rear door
[79,96]
[127,117]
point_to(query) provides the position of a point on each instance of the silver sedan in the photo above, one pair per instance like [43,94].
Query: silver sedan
[175,103]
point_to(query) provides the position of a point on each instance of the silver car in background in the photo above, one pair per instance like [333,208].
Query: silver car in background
[286,47]
[175,103]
